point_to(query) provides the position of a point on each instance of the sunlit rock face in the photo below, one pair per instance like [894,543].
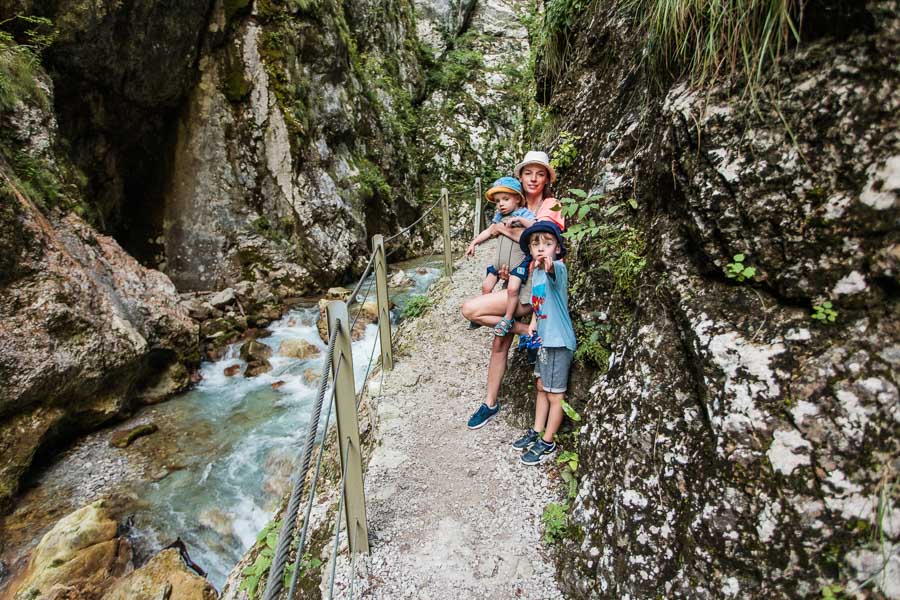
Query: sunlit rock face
[737,447]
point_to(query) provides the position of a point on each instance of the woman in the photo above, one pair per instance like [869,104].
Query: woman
[536,174]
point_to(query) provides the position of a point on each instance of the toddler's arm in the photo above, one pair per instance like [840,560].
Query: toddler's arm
[522,222]
[480,239]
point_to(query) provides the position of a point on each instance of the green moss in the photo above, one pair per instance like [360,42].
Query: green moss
[235,84]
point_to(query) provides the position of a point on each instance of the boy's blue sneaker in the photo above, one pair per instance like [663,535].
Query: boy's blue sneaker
[538,453]
[526,440]
[481,416]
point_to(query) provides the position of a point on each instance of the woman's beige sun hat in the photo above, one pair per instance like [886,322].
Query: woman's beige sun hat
[535,157]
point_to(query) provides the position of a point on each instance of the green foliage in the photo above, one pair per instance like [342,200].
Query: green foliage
[581,207]
[738,271]
[594,340]
[619,247]
[371,182]
[823,311]
[279,231]
[710,39]
[554,519]
[457,65]
[19,62]
[569,472]
[570,412]
[416,306]
[566,152]
[832,592]
[260,567]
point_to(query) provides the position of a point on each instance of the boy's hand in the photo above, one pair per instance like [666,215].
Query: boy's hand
[515,222]
[544,263]
[532,329]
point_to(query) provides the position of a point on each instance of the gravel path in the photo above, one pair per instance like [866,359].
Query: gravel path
[452,512]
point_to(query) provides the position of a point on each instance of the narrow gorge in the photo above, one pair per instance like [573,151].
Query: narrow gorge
[183,178]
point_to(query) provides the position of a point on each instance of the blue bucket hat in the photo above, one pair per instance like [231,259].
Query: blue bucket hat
[542,227]
[510,185]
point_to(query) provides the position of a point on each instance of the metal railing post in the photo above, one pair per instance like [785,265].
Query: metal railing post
[479,211]
[448,251]
[384,307]
[348,428]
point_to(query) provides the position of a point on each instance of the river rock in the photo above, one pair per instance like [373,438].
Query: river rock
[122,439]
[254,351]
[399,279]
[80,553]
[367,313]
[165,576]
[257,368]
[223,298]
[311,375]
[278,384]
[218,520]
[298,348]
[232,370]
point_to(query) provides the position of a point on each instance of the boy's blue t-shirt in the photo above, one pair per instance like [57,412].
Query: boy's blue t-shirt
[519,212]
[550,302]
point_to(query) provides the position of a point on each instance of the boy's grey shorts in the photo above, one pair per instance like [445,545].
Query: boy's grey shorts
[552,367]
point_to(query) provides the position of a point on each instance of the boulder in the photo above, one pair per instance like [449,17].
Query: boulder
[122,439]
[80,552]
[278,384]
[85,330]
[367,313]
[257,368]
[232,370]
[223,298]
[399,279]
[298,348]
[165,576]
[254,351]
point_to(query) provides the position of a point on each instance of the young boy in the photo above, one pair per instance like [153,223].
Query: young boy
[550,318]
[507,193]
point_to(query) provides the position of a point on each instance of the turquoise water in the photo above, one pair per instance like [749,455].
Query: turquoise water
[235,440]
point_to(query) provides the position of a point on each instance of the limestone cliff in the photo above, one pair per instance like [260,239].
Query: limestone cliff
[737,446]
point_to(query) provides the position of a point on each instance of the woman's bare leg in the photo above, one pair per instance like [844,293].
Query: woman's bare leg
[499,355]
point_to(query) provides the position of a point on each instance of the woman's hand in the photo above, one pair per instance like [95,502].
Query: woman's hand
[470,251]
[503,273]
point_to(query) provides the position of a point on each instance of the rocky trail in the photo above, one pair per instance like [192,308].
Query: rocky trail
[450,511]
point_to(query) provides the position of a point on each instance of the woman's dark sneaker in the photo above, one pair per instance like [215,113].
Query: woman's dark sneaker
[526,440]
[481,416]
[539,452]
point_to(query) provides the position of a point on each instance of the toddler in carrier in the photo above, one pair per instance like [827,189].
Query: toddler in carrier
[506,192]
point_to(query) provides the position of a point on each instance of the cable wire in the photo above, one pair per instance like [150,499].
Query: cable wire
[337,525]
[414,223]
[275,584]
[312,487]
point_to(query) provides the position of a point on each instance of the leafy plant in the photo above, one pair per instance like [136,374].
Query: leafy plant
[260,566]
[832,592]
[621,246]
[570,412]
[580,205]
[594,340]
[566,152]
[738,270]
[416,306]
[554,519]
[824,312]
[568,472]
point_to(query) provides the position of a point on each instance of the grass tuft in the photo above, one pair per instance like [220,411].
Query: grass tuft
[711,39]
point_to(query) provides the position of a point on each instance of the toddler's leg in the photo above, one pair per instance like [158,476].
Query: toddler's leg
[555,416]
[490,281]
[512,296]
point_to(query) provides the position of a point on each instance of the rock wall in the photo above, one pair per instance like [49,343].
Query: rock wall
[737,447]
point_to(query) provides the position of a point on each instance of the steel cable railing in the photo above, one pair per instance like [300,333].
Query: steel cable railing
[414,223]
[274,585]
